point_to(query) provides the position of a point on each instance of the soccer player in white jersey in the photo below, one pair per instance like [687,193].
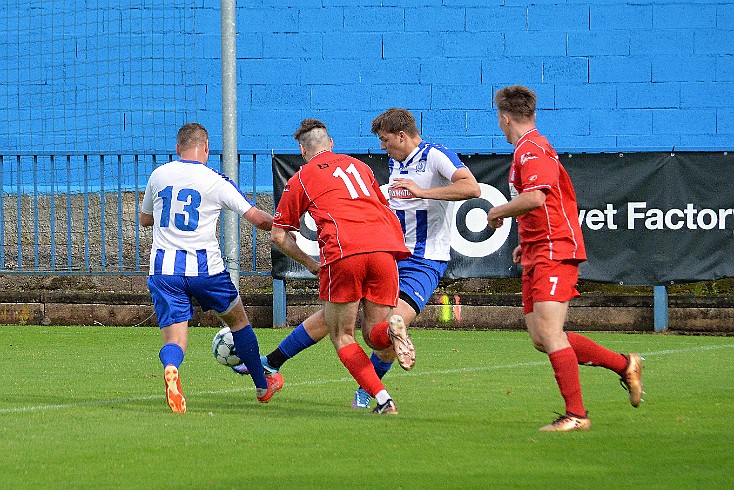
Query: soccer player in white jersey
[424,179]
[182,202]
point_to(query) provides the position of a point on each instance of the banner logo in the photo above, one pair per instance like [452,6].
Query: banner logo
[471,235]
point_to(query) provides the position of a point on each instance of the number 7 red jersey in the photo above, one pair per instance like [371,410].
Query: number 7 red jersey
[552,230]
[345,201]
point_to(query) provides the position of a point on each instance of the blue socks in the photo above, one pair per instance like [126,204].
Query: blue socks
[296,341]
[171,354]
[381,367]
[245,343]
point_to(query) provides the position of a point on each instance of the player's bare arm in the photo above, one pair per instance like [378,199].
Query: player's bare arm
[463,186]
[146,219]
[523,203]
[259,219]
[287,244]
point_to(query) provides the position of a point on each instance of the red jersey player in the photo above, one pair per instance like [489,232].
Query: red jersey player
[550,251]
[359,239]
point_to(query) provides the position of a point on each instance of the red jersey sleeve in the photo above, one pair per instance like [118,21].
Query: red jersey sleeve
[537,170]
[292,205]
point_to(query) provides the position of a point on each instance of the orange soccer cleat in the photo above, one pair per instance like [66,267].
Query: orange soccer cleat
[174,396]
[275,383]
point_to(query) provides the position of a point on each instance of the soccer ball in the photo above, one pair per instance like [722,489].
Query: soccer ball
[223,348]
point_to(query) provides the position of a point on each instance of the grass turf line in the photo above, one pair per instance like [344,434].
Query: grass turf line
[469,414]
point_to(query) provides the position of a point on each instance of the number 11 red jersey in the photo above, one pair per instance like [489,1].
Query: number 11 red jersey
[344,199]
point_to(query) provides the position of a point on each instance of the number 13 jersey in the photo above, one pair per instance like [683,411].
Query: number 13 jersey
[185,198]
[345,202]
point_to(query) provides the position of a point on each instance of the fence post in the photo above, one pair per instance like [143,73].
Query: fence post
[230,163]
[660,308]
[279,309]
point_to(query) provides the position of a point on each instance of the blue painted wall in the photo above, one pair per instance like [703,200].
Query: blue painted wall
[610,75]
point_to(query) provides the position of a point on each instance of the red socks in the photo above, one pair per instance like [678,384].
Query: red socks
[360,367]
[379,336]
[590,353]
[566,369]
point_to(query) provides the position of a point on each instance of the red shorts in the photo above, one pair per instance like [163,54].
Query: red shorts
[372,276]
[549,280]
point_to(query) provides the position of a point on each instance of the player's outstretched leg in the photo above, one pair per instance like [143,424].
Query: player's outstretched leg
[174,395]
[404,348]
[631,379]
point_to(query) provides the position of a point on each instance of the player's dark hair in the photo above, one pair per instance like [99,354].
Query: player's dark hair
[191,135]
[308,125]
[312,133]
[517,101]
[395,120]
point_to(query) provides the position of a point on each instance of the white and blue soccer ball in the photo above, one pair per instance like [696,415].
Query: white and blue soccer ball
[223,348]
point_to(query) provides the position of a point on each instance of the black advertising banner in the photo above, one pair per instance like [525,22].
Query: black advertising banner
[647,218]
[655,218]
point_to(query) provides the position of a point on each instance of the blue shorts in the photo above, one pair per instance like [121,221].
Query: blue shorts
[419,279]
[172,296]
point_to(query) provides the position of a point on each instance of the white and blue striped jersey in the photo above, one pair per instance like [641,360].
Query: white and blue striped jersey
[426,222]
[185,198]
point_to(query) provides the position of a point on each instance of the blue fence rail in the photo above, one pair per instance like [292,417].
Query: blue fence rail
[77,213]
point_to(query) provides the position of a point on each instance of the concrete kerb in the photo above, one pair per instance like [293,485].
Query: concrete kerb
[473,311]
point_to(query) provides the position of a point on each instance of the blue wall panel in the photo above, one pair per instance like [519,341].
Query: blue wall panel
[410,44]
[507,70]
[692,68]
[460,97]
[499,18]
[403,95]
[535,43]
[472,44]
[610,75]
[684,121]
[661,43]
[649,95]
[619,69]
[563,70]
[354,45]
[558,17]
[625,17]
[725,121]
[599,43]
[586,96]
[329,72]
[435,19]
[684,15]
[375,19]
[326,20]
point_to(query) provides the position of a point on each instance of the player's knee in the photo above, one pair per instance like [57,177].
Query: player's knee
[366,337]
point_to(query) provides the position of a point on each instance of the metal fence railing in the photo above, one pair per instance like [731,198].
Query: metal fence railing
[78,213]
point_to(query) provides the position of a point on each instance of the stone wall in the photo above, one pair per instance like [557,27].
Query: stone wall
[124,301]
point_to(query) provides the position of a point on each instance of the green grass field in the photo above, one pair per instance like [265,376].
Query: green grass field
[83,407]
